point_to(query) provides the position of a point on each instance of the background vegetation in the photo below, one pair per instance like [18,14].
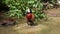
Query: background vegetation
[18,8]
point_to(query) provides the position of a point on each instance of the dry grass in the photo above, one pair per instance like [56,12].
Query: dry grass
[46,27]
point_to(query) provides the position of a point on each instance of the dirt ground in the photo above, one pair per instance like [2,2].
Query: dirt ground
[52,26]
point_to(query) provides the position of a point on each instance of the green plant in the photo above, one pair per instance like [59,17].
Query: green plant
[18,7]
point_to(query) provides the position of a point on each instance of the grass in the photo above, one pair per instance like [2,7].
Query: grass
[52,26]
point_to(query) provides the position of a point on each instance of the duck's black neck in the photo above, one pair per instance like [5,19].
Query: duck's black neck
[30,11]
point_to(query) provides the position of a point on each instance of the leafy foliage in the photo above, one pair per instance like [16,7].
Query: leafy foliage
[18,7]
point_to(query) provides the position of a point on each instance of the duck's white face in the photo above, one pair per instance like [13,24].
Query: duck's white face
[28,10]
